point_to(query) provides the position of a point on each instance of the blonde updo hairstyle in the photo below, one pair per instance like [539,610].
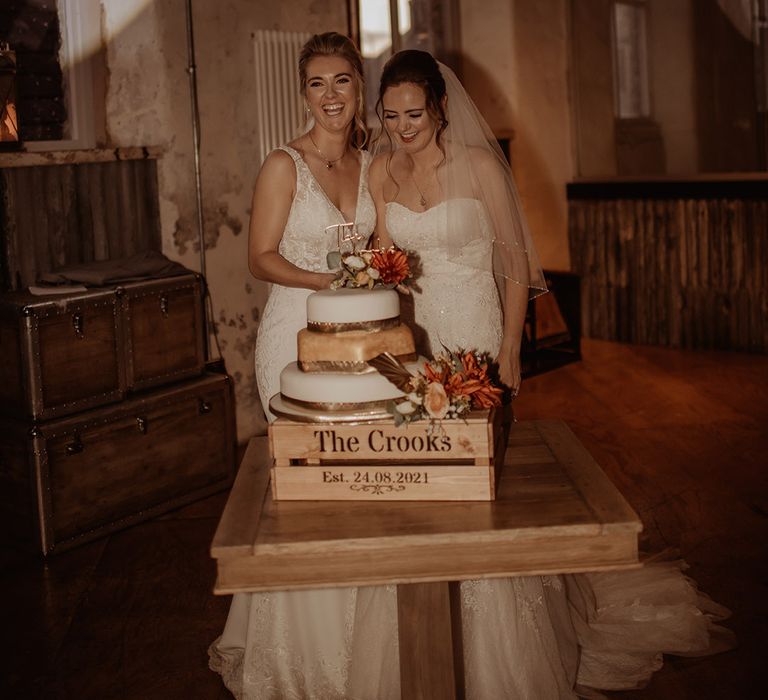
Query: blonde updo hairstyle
[335,44]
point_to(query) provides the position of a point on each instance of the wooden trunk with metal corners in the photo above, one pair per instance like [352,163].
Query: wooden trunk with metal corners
[66,353]
[73,479]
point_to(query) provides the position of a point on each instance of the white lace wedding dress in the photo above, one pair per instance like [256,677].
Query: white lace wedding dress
[306,244]
[305,644]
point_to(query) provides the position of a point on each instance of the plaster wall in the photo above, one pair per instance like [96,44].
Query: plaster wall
[673,91]
[515,66]
[148,103]
[592,81]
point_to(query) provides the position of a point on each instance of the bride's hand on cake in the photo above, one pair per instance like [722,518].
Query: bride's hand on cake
[323,280]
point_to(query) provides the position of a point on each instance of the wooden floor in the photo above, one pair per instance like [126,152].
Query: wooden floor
[684,436]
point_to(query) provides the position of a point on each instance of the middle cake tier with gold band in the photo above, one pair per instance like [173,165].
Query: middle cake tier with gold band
[349,350]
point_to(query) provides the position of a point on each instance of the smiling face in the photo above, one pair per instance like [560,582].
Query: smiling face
[331,91]
[407,118]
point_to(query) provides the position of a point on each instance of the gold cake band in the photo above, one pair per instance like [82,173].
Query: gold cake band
[334,327]
[350,366]
[330,406]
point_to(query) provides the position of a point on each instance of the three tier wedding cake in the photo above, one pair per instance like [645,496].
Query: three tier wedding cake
[346,328]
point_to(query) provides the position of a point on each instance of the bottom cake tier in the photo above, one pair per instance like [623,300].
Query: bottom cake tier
[334,391]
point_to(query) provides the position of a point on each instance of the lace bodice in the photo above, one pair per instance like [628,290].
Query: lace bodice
[458,305]
[425,233]
[305,242]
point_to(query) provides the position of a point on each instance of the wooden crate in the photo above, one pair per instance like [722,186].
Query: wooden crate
[73,479]
[452,461]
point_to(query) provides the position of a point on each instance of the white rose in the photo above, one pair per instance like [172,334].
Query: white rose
[405,408]
[354,262]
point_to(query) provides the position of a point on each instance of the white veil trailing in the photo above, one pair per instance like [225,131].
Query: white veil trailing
[474,167]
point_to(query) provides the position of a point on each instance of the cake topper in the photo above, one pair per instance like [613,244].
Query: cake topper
[347,233]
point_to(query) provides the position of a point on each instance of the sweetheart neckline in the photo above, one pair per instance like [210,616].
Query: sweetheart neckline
[435,206]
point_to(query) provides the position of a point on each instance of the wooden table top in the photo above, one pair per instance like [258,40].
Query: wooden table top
[555,512]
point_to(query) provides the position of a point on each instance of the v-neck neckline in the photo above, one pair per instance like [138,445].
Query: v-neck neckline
[325,194]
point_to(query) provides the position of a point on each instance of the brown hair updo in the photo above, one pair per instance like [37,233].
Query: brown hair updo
[335,44]
[419,68]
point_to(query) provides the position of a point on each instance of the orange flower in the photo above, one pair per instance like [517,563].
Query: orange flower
[487,396]
[469,361]
[436,401]
[475,383]
[434,374]
[392,265]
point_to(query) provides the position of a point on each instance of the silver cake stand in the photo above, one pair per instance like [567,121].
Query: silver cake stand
[287,409]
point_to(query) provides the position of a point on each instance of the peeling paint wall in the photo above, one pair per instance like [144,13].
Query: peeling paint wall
[148,103]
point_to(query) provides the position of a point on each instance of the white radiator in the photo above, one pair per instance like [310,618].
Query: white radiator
[280,105]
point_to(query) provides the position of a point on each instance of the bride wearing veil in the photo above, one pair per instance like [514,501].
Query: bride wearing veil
[443,189]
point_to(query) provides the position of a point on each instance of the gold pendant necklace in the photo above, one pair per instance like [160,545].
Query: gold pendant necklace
[422,198]
[328,162]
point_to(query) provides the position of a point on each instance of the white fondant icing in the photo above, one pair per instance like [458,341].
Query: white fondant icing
[338,387]
[352,305]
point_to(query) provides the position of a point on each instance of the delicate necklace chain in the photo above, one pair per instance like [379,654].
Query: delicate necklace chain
[422,198]
[328,162]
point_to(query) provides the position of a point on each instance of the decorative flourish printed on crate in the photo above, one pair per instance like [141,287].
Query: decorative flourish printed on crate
[377,489]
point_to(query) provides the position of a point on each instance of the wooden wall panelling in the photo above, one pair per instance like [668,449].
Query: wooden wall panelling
[5,234]
[681,271]
[87,221]
[58,215]
[112,219]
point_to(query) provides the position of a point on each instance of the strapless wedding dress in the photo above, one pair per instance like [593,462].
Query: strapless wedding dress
[457,303]
[536,637]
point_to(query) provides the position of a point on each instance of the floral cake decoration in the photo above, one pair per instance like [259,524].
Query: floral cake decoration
[448,386]
[383,267]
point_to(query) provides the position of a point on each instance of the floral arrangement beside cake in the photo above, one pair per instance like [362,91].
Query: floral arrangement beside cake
[449,386]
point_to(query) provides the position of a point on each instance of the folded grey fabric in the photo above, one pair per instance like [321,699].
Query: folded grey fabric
[147,265]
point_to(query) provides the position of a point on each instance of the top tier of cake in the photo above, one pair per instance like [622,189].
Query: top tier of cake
[352,306]
[348,327]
